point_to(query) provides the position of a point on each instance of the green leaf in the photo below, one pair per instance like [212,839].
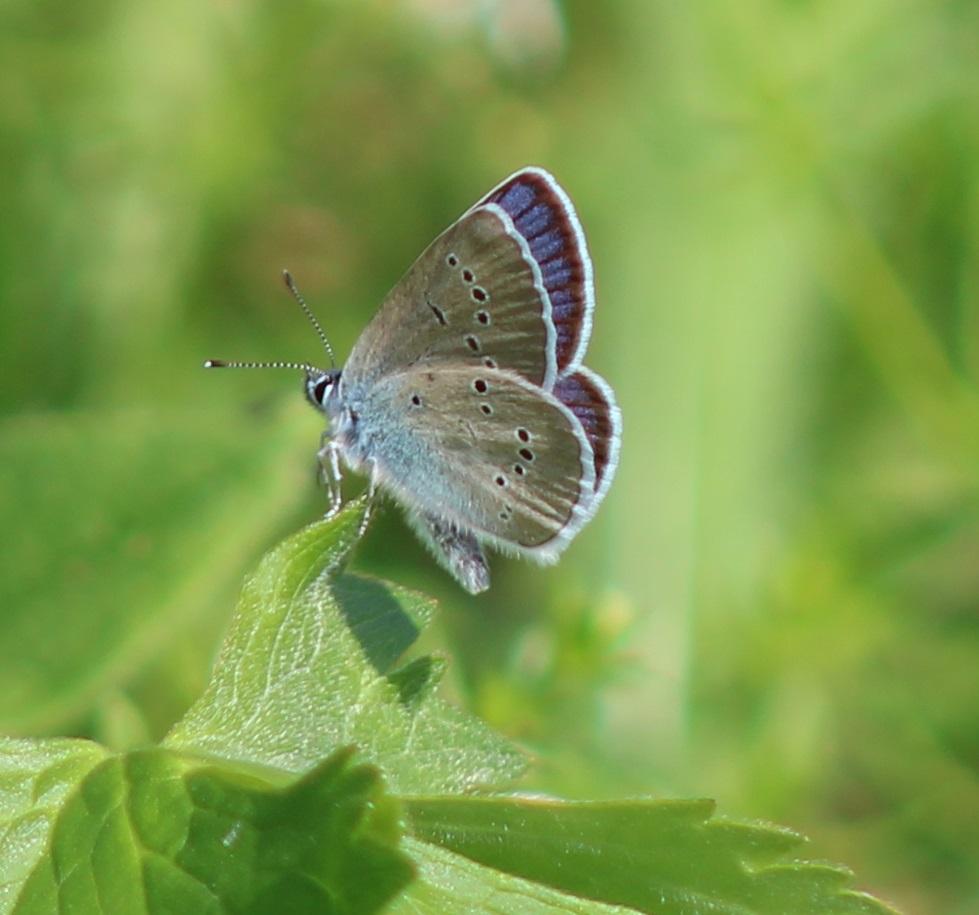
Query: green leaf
[133,547]
[253,805]
[36,779]
[662,857]
[448,884]
[155,831]
[308,666]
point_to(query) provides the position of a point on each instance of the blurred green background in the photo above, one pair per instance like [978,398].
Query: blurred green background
[778,605]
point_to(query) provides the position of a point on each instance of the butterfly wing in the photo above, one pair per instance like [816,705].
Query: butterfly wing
[590,398]
[473,297]
[506,286]
[484,450]
[466,391]
[543,215]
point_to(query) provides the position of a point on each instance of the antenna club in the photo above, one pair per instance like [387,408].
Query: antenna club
[215,364]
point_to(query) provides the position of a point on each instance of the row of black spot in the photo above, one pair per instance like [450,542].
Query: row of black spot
[519,469]
[478,293]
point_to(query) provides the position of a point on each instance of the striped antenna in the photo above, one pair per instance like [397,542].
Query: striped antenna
[222,364]
[302,366]
[297,295]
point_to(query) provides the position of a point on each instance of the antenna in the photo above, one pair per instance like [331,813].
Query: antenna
[303,366]
[222,364]
[297,295]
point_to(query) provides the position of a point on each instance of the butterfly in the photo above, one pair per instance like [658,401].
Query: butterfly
[465,397]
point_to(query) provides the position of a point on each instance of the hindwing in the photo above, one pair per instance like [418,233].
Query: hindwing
[485,450]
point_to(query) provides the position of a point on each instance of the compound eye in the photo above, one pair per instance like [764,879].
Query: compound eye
[319,391]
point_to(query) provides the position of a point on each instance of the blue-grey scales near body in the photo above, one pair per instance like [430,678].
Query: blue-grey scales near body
[465,398]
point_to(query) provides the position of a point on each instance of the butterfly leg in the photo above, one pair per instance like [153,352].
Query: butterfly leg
[457,550]
[329,458]
[371,490]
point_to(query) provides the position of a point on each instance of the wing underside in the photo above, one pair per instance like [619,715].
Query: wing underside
[487,451]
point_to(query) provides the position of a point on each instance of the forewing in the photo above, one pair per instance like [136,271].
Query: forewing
[487,451]
[545,218]
[475,297]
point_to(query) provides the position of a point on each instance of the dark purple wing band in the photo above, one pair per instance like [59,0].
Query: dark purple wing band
[543,215]
[586,399]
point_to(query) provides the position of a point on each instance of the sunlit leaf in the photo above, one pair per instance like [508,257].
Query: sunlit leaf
[660,857]
[154,832]
[308,666]
[449,884]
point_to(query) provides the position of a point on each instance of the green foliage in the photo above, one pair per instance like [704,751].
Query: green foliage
[669,857]
[144,556]
[157,831]
[254,804]
[308,666]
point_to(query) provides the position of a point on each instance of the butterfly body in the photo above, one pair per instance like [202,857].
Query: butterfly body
[465,398]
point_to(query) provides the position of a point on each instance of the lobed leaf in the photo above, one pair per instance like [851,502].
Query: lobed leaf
[253,804]
[308,666]
[662,857]
[155,831]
